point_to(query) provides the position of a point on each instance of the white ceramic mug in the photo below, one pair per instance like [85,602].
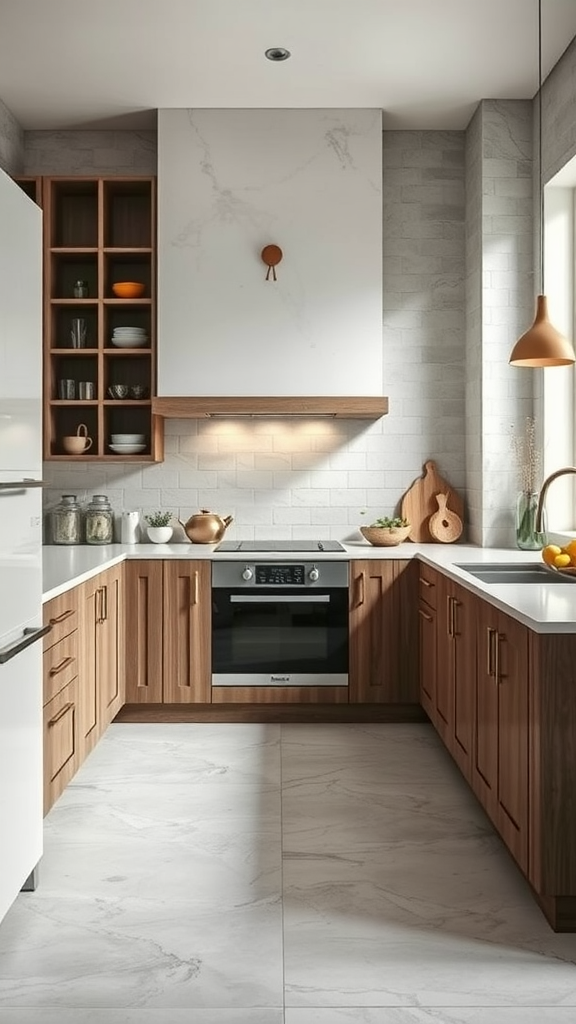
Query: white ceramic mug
[130,532]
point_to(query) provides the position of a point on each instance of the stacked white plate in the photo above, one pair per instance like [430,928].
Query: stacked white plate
[127,444]
[129,337]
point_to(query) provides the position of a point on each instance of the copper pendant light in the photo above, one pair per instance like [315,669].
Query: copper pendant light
[542,344]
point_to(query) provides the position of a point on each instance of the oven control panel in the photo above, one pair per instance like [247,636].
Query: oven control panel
[279,574]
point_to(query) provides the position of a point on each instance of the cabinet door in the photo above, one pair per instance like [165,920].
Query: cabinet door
[512,670]
[463,640]
[485,759]
[91,605]
[61,742]
[109,652]
[143,587]
[383,633]
[444,664]
[187,626]
[428,626]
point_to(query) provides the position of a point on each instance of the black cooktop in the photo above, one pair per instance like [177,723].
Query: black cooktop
[280,545]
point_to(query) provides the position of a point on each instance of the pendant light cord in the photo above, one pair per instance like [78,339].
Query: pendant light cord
[540,187]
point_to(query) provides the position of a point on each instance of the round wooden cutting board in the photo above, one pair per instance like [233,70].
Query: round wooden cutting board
[419,503]
[444,525]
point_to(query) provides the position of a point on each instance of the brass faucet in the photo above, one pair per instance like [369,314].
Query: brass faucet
[545,486]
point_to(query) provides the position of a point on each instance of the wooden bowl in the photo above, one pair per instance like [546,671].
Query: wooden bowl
[128,289]
[385,536]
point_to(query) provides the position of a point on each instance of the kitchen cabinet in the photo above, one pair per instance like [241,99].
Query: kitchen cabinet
[99,231]
[168,632]
[456,671]
[61,757]
[428,589]
[101,683]
[500,765]
[383,632]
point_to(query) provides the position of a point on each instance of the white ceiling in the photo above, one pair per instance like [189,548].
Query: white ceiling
[426,63]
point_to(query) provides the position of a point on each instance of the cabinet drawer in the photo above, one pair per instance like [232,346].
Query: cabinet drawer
[60,665]
[428,584]
[60,742]
[62,613]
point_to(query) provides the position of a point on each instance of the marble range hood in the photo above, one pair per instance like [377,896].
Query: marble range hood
[234,340]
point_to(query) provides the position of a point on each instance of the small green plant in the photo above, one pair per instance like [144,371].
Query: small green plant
[156,519]
[388,523]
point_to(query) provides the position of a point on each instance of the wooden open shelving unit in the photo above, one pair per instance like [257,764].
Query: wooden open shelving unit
[100,230]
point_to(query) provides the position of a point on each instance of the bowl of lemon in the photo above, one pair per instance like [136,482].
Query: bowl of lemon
[561,559]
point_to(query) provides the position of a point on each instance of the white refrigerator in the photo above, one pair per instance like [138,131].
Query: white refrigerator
[20,541]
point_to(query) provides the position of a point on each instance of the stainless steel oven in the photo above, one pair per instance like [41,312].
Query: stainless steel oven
[280,623]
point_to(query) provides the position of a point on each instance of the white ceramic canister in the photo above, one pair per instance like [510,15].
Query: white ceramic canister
[130,531]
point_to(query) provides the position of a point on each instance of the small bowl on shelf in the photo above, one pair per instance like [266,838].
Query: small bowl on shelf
[128,289]
[385,536]
[118,391]
[138,391]
[127,438]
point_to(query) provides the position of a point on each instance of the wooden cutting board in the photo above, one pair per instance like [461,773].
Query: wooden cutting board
[419,502]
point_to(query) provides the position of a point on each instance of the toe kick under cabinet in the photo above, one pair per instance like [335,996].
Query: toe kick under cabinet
[503,700]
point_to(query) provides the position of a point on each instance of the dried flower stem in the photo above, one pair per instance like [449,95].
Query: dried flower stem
[527,455]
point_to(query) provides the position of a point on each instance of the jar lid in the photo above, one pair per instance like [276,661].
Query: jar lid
[100,498]
[69,498]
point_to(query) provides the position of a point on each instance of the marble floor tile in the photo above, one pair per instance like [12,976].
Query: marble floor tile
[186,752]
[294,874]
[439,1015]
[140,953]
[47,1015]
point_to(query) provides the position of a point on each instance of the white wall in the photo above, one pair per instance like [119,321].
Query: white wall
[233,181]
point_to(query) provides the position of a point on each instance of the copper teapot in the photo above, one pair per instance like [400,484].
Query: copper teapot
[206,527]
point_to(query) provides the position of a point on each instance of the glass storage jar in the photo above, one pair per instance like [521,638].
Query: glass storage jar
[67,521]
[99,521]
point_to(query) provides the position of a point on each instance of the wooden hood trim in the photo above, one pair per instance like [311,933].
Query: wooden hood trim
[370,408]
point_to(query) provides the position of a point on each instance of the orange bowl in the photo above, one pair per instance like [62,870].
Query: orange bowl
[128,289]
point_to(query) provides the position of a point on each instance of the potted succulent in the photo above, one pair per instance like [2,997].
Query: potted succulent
[386,531]
[158,527]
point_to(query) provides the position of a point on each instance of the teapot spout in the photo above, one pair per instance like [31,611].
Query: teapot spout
[228,520]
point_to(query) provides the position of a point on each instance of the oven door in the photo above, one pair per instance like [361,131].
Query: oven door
[275,637]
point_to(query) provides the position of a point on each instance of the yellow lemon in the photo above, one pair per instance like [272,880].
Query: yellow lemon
[562,560]
[550,552]
[570,549]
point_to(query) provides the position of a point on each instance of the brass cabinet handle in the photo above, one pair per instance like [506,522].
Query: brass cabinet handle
[196,593]
[489,651]
[60,668]
[104,603]
[425,583]
[499,676]
[449,615]
[455,604]
[425,615]
[361,588]
[62,617]
[61,713]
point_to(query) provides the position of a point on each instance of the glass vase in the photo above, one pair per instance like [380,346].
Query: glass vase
[527,536]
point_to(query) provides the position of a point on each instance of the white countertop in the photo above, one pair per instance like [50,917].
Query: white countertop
[545,607]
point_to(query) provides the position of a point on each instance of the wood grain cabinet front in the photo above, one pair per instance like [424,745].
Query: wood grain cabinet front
[61,742]
[60,688]
[168,623]
[101,690]
[383,632]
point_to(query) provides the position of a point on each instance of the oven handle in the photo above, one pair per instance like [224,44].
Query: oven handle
[280,599]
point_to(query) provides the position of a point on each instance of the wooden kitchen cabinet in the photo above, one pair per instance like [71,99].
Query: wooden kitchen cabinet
[500,765]
[456,671]
[428,589]
[61,758]
[383,632]
[99,230]
[101,683]
[168,623]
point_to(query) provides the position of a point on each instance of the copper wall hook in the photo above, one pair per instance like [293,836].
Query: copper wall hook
[271,256]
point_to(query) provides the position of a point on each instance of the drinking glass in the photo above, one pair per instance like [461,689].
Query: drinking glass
[78,332]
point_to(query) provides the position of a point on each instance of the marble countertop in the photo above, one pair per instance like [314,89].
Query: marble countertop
[544,607]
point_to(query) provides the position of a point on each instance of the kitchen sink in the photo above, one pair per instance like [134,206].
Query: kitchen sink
[514,572]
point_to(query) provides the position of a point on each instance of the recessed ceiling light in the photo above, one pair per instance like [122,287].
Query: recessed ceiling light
[277,53]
